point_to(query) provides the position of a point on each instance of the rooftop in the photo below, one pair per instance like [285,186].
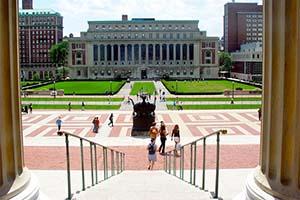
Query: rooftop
[38,12]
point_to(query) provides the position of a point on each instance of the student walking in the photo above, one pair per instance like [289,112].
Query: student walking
[176,136]
[111,120]
[153,131]
[163,137]
[69,106]
[30,107]
[58,123]
[151,153]
[82,106]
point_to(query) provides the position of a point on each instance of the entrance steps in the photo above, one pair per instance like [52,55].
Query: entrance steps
[143,185]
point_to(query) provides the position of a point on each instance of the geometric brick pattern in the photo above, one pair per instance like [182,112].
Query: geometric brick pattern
[191,123]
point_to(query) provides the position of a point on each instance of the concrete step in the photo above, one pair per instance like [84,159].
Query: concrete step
[143,185]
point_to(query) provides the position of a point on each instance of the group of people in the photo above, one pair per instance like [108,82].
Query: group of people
[27,108]
[162,132]
[96,123]
[70,106]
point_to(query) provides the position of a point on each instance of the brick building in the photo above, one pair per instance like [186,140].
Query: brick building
[38,31]
[143,48]
[243,23]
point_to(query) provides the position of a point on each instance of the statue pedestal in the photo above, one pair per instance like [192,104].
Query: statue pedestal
[140,133]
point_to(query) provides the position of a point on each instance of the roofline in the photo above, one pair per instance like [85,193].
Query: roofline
[141,21]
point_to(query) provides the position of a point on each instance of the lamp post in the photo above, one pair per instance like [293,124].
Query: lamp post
[54,90]
[176,87]
[232,97]
[110,87]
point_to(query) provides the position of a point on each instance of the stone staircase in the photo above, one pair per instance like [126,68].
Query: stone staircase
[143,185]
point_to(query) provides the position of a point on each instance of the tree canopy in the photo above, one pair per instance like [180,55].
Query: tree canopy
[59,54]
[225,61]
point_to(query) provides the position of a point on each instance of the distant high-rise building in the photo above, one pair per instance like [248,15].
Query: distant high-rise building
[27,4]
[243,23]
[38,31]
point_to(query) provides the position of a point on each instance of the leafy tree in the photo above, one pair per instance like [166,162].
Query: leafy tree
[59,55]
[35,77]
[225,61]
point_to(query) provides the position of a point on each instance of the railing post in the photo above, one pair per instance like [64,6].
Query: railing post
[96,169]
[117,161]
[195,163]
[68,166]
[182,155]
[203,163]
[165,163]
[121,160]
[169,163]
[104,170]
[106,164]
[91,155]
[191,164]
[112,163]
[82,164]
[124,162]
[174,162]
[217,166]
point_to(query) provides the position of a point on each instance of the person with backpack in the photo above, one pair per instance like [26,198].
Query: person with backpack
[163,137]
[58,123]
[153,131]
[151,153]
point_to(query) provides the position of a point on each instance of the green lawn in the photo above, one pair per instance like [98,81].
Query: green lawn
[77,107]
[214,99]
[145,87]
[208,86]
[85,87]
[71,99]
[209,107]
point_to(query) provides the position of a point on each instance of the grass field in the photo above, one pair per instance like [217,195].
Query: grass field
[72,99]
[76,107]
[145,87]
[209,86]
[85,87]
[210,107]
[214,99]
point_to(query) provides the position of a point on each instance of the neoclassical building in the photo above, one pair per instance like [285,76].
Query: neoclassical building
[143,48]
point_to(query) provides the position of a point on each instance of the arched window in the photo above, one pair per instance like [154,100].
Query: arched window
[143,51]
[171,52]
[95,52]
[191,53]
[108,52]
[177,51]
[150,51]
[102,53]
[157,52]
[116,52]
[184,52]
[129,52]
[122,51]
[136,52]
[207,54]
[164,52]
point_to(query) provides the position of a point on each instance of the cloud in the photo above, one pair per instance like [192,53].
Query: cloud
[77,12]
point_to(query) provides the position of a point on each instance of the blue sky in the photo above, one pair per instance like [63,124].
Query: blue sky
[76,13]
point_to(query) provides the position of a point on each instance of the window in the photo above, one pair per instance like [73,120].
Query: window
[157,35]
[191,51]
[164,52]
[177,51]
[122,51]
[108,52]
[150,52]
[78,73]
[129,52]
[136,52]
[157,52]
[116,52]
[171,35]
[143,51]
[95,52]
[184,52]
[178,36]
[171,52]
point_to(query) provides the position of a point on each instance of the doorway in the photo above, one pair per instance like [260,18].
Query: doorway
[144,74]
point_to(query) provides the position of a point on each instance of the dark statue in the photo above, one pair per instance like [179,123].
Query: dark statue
[143,116]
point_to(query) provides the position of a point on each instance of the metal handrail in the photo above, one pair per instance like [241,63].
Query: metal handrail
[193,161]
[118,161]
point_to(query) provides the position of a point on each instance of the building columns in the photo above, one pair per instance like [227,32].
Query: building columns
[278,173]
[15,180]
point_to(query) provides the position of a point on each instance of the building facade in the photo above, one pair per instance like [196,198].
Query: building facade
[143,48]
[38,31]
[243,23]
[247,63]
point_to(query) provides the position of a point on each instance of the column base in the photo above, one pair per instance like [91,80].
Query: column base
[24,187]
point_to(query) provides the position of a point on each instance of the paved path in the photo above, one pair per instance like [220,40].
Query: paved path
[44,151]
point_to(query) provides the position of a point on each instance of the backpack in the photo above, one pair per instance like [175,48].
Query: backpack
[151,148]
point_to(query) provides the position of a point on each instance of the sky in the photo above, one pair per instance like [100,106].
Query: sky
[76,13]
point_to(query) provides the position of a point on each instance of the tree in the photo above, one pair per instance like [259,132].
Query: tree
[59,54]
[225,61]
